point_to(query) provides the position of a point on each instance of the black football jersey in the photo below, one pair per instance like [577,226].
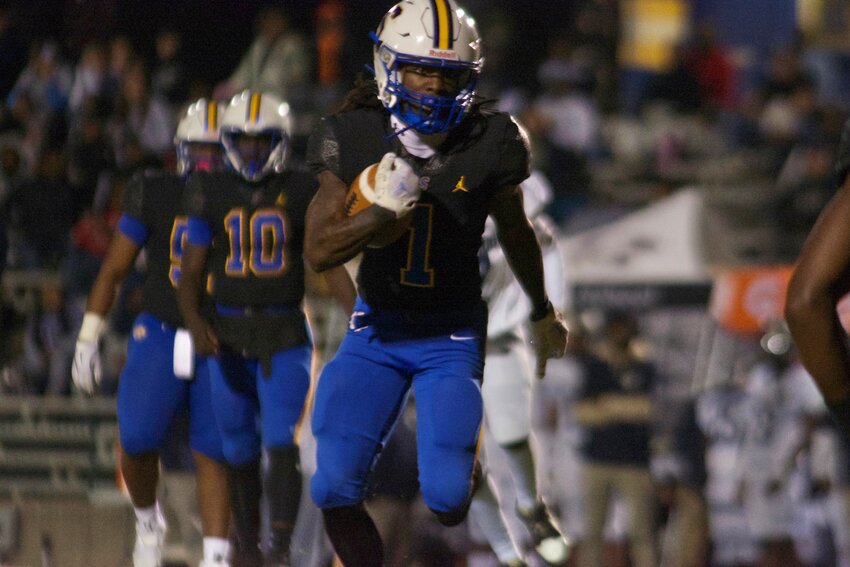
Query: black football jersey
[842,163]
[434,265]
[258,235]
[155,199]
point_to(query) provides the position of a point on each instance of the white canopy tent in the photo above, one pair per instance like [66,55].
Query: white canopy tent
[651,257]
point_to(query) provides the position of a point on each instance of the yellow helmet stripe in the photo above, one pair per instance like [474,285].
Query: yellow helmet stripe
[254,107]
[443,34]
[212,116]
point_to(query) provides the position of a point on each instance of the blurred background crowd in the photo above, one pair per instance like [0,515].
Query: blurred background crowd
[719,117]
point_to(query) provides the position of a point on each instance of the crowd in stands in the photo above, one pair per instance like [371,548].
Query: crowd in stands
[76,124]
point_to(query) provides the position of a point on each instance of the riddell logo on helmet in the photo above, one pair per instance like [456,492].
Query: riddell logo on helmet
[442,54]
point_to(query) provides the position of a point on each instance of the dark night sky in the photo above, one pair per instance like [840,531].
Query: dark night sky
[217,32]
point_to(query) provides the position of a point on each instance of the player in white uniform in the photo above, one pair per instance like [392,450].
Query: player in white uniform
[781,398]
[507,385]
[720,418]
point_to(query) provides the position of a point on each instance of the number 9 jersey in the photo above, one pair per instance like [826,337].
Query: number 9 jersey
[152,219]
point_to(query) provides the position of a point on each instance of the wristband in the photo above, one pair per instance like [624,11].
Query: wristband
[540,311]
[92,327]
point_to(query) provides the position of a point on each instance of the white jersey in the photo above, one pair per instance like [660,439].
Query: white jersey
[775,409]
[777,404]
[719,416]
[508,305]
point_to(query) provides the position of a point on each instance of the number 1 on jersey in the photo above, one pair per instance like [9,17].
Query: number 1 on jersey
[418,272]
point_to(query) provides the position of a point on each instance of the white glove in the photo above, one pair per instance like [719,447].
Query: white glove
[396,185]
[549,338]
[86,369]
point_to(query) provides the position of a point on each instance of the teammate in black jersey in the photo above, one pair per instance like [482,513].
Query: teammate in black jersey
[419,319]
[149,392]
[246,233]
[820,280]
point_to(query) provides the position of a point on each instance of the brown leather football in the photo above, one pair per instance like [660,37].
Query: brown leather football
[358,198]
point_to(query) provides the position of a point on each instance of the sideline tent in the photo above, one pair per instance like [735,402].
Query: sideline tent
[650,258]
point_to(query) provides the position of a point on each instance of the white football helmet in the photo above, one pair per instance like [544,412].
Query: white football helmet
[255,134]
[197,138]
[427,33]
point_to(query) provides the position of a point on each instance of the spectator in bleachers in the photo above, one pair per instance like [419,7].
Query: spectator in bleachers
[805,184]
[121,57]
[11,166]
[565,122]
[712,67]
[783,73]
[498,79]
[90,154]
[41,211]
[130,156]
[786,118]
[678,87]
[21,121]
[90,78]
[91,235]
[12,50]
[330,40]
[49,344]
[140,115]
[333,52]
[4,251]
[597,27]
[168,79]
[277,62]
[46,80]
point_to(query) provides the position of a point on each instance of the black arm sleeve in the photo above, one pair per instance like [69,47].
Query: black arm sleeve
[323,148]
[514,158]
[194,201]
[134,197]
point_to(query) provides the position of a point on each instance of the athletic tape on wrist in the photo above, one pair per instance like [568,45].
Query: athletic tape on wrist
[92,327]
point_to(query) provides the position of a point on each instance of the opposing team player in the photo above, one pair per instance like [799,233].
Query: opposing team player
[443,164]
[247,224]
[508,378]
[149,392]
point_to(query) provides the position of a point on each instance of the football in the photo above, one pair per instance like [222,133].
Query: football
[358,199]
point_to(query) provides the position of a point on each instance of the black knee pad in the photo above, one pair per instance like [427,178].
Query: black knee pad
[456,516]
[452,517]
